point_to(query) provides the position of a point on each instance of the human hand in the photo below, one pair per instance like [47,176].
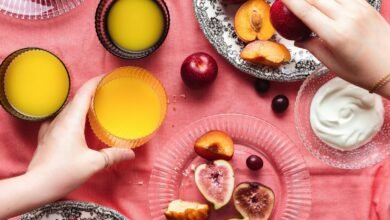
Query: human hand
[62,154]
[353,39]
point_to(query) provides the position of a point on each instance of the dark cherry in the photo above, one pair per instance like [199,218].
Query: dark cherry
[280,103]
[254,162]
[262,86]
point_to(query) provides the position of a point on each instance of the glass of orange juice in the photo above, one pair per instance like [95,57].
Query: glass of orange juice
[128,107]
[132,29]
[34,84]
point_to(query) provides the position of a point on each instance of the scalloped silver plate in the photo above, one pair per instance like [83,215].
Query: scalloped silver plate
[37,9]
[216,22]
[72,210]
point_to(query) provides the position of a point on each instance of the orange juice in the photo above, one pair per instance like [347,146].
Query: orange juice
[129,104]
[36,83]
[135,24]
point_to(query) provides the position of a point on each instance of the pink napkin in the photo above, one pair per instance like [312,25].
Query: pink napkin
[336,194]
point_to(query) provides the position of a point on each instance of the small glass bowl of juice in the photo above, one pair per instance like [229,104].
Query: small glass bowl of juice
[34,84]
[132,29]
[128,107]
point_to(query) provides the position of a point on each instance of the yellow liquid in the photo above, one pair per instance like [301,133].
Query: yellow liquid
[127,108]
[135,24]
[36,83]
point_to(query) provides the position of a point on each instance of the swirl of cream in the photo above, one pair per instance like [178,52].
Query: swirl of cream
[345,116]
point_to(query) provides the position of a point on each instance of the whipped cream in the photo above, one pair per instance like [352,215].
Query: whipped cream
[345,116]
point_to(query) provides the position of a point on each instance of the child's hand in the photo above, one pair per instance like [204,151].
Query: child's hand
[354,39]
[62,160]
[63,155]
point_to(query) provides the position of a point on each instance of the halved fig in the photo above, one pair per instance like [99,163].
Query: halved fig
[215,145]
[254,201]
[215,180]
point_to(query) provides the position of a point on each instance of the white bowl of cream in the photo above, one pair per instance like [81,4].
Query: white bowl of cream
[340,124]
[345,116]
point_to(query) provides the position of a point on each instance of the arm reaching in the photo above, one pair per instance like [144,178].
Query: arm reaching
[353,39]
[62,160]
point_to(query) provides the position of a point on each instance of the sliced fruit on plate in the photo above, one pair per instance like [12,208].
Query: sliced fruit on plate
[267,53]
[183,210]
[215,145]
[252,21]
[254,201]
[215,180]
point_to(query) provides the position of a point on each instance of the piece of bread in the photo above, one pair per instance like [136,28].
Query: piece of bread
[183,210]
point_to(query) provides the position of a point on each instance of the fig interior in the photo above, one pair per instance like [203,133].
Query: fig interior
[268,176]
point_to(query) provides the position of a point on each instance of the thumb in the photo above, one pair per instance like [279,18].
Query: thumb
[114,155]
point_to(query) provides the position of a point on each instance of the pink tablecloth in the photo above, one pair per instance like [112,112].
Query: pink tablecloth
[336,194]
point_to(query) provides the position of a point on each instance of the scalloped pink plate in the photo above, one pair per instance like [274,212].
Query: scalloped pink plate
[284,169]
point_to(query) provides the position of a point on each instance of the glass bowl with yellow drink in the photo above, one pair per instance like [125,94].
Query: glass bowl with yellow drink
[34,84]
[128,107]
[132,29]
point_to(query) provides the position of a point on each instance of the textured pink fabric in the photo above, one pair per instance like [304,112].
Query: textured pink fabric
[336,194]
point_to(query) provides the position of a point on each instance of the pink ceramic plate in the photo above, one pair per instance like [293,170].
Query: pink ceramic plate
[284,170]
[367,155]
